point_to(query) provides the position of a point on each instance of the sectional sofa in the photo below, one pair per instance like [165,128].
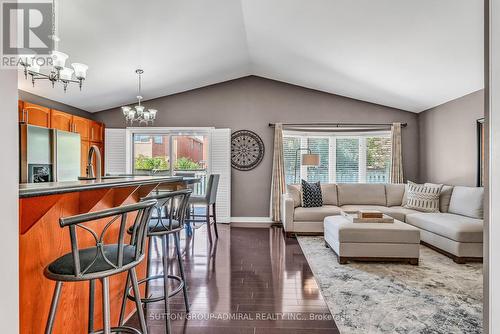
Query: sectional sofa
[456,231]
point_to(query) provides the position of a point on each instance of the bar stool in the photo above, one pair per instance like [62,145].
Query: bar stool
[171,211]
[102,261]
[208,200]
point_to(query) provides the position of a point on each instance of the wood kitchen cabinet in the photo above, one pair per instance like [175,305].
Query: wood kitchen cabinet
[82,126]
[61,120]
[96,132]
[91,132]
[84,151]
[34,114]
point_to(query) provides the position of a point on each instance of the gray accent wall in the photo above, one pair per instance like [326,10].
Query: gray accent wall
[32,98]
[448,141]
[253,102]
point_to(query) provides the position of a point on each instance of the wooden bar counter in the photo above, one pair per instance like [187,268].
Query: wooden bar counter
[42,240]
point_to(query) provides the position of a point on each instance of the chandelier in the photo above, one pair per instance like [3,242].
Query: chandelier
[59,72]
[138,113]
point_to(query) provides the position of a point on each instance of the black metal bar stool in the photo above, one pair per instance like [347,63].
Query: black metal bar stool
[102,261]
[208,200]
[171,211]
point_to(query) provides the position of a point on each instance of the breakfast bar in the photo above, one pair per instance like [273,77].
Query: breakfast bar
[41,240]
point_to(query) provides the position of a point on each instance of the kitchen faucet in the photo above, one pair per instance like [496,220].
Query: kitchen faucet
[90,166]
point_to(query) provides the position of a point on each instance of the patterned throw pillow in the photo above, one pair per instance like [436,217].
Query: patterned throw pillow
[423,197]
[311,195]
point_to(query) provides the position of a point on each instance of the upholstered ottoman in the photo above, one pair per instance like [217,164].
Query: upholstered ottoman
[372,241]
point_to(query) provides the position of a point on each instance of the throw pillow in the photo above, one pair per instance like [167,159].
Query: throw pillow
[294,191]
[311,195]
[467,201]
[422,197]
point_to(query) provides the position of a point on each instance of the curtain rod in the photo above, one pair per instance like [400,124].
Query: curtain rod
[338,125]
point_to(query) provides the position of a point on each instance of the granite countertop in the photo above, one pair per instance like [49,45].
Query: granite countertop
[51,188]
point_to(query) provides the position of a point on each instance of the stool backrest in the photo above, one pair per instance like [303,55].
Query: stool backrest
[118,215]
[213,184]
[174,204]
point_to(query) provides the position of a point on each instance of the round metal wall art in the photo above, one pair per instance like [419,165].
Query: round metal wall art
[247,150]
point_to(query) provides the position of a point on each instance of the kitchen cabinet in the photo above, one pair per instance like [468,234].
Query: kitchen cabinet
[61,120]
[82,126]
[34,114]
[96,132]
[91,132]
[85,147]
[20,111]
[84,150]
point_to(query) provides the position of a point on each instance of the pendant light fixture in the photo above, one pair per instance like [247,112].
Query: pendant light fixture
[139,113]
[59,72]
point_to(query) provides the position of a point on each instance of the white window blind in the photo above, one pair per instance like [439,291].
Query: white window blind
[115,151]
[344,158]
[220,163]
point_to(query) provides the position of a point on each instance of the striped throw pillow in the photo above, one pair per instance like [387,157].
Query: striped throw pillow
[423,197]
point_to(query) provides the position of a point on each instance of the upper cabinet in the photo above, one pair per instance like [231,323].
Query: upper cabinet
[96,131]
[34,114]
[82,126]
[61,120]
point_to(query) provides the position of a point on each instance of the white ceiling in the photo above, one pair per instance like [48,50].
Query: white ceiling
[407,54]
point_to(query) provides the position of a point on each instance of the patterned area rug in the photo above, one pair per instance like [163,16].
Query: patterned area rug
[438,296]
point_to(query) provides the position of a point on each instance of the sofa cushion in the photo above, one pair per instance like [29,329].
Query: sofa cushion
[455,227]
[394,194]
[294,190]
[311,194]
[444,196]
[396,212]
[399,212]
[361,193]
[467,201]
[329,191]
[315,214]
[423,198]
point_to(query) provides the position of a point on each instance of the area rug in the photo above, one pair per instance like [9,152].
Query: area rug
[437,296]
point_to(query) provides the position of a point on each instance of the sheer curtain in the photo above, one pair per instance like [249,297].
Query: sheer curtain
[278,175]
[396,158]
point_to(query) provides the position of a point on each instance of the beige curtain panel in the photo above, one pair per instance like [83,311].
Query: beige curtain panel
[397,155]
[278,176]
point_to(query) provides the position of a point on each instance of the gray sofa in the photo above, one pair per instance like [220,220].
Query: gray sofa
[457,230]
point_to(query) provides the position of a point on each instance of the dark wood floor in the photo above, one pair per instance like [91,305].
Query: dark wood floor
[255,276]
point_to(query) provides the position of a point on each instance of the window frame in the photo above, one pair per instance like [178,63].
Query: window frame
[165,131]
[332,149]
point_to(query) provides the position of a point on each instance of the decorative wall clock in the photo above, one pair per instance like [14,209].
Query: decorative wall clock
[247,150]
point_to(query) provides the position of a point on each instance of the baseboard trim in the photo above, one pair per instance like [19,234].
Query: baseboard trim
[252,222]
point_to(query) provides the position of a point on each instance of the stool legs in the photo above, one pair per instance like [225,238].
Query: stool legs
[165,281]
[181,269]
[53,307]
[124,301]
[209,228]
[138,304]
[91,305]
[215,221]
[106,318]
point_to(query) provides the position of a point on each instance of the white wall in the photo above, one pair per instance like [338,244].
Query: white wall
[492,237]
[9,281]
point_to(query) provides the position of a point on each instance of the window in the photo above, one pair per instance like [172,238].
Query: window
[169,153]
[344,158]
[151,154]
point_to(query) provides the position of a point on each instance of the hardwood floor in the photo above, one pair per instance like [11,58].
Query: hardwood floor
[252,281]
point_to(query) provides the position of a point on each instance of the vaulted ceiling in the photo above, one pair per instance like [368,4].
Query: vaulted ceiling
[406,54]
